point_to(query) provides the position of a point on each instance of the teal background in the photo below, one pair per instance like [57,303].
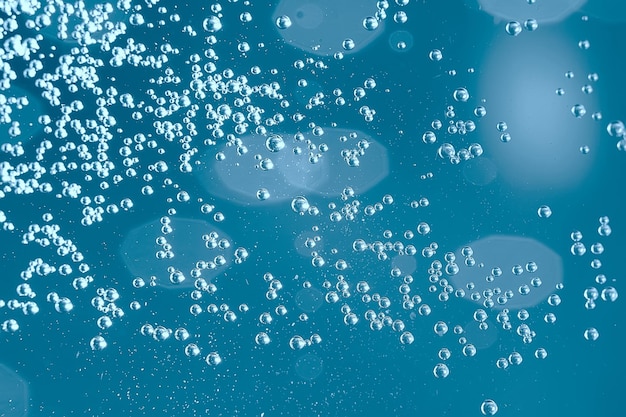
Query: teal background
[48,367]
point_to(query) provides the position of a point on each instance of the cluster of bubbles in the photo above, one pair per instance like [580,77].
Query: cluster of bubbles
[397,298]
[105,137]
[447,150]
[578,110]
[579,249]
